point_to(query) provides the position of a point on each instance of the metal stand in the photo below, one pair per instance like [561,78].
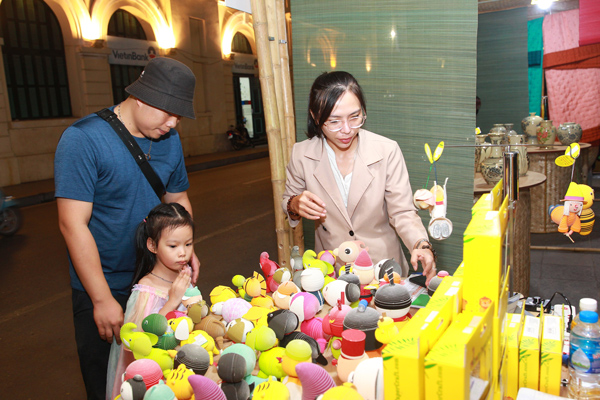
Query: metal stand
[511,190]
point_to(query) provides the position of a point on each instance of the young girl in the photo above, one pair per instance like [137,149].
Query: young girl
[164,246]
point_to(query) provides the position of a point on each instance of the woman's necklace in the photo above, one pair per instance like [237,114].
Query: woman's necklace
[148,157]
[162,279]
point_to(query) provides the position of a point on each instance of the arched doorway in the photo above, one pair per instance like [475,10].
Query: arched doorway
[246,88]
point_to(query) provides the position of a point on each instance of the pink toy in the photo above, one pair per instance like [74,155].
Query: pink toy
[234,309]
[333,325]
[363,268]
[205,388]
[148,369]
[304,305]
[314,328]
[328,257]
[315,380]
[269,267]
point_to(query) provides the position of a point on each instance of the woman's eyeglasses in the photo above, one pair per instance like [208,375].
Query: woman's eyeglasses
[335,125]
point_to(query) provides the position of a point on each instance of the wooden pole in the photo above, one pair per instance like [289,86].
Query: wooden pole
[272,124]
[288,104]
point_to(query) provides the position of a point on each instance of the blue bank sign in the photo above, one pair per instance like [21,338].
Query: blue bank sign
[125,51]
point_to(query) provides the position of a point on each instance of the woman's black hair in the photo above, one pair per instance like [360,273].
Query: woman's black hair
[325,93]
[163,216]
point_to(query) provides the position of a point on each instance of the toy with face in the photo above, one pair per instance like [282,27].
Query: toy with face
[211,324]
[182,327]
[177,380]
[133,389]
[218,296]
[261,338]
[328,258]
[232,369]
[304,305]
[347,252]
[333,325]
[140,343]
[191,296]
[296,351]
[271,389]
[312,282]
[310,260]
[237,330]
[268,268]
[281,297]
[283,322]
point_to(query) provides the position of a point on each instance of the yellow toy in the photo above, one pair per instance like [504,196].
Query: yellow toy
[271,389]
[140,343]
[569,221]
[178,381]
[203,339]
[587,214]
[269,363]
[218,296]
[258,315]
[182,327]
[346,391]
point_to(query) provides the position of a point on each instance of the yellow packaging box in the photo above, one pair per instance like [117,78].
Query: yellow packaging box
[450,289]
[529,352]
[403,359]
[500,383]
[489,201]
[485,265]
[551,357]
[459,365]
[460,271]
[514,329]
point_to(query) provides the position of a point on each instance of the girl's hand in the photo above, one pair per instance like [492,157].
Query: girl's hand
[180,285]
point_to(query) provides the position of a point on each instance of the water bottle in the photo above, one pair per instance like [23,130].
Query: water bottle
[585,304]
[584,358]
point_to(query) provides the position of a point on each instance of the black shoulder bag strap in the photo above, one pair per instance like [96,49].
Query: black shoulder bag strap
[134,149]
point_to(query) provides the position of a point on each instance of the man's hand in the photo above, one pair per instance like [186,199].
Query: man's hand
[195,264]
[108,316]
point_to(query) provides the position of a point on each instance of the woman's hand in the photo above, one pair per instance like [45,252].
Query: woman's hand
[425,256]
[309,205]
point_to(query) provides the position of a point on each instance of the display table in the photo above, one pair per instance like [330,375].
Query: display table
[521,246]
[556,185]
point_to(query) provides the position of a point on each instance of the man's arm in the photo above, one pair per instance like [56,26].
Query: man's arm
[73,219]
[183,199]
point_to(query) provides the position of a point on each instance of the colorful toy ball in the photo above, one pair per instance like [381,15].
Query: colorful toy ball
[155,323]
[392,299]
[382,266]
[219,295]
[332,292]
[304,305]
[212,325]
[312,279]
[148,369]
[234,309]
[283,322]
[205,388]
[364,319]
[246,352]
[281,297]
[296,351]
[269,363]
[315,380]
[133,389]
[314,328]
[231,367]
[368,378]
[194,357]
[271,389]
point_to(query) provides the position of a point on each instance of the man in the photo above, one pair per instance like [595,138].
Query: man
[102,195]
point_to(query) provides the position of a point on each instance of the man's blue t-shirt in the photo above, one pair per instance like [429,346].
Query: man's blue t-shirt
[93,165]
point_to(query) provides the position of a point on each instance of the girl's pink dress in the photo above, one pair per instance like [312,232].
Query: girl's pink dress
[144,300]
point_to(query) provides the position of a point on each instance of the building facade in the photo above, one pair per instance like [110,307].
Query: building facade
[64,59]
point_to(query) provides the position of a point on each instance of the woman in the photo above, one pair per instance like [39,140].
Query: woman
[353,183]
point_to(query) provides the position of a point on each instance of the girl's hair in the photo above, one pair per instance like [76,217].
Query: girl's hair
[163,216]
[325,93]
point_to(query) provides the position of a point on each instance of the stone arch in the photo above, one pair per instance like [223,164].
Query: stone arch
[238,22]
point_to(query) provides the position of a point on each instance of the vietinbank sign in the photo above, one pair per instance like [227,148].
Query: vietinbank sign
[125,51]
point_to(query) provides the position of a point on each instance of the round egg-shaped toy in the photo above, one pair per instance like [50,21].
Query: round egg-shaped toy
[213,325]
[194,357]
[332,292]
[304,305]
[312,279]
[314,328]
[269,363]
[315,380]
[368,378]
[205,388]
[281,297]
[296,351]
[160,392]
[435,282]
[246,352]
[167,341]
[384,265]
[346,391]
[234,309]
[271,389]
[334,323]
[218,296]
[364,319]
[261,338]
[148,369]
[133,389]
[155,323]
[231,367]
[393,300]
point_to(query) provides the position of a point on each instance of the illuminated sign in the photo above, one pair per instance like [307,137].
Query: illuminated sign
[125,51]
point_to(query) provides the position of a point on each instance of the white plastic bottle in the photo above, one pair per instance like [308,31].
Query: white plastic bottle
[585,304]
[584,358]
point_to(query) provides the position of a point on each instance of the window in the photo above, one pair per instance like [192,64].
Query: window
[240,44]
[34,61]
[124,24]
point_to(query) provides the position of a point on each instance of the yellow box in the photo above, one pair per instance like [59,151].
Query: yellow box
[551,358]
[485,266]
[500,384]
[460,271]
[459,366]
[489,201]
[514,329]
[529,352]
[500,324]
[450,289]
[403,359]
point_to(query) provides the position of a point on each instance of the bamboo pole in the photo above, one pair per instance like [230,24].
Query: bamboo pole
[288,104]
[272,124]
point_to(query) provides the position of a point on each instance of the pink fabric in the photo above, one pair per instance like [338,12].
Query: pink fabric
[589,22]
[573,95]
